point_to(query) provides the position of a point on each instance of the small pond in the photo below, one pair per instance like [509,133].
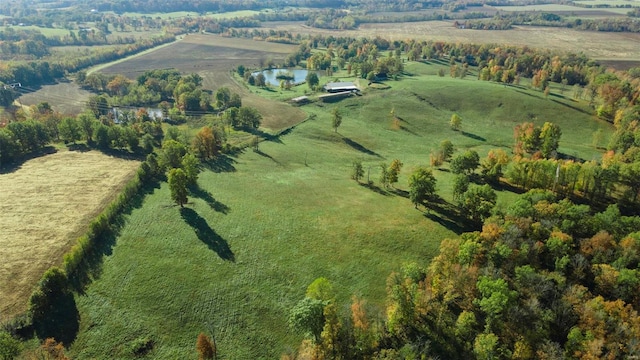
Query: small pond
[271,75]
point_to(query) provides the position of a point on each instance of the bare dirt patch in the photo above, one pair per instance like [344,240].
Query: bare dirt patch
[45,205]
[214,58]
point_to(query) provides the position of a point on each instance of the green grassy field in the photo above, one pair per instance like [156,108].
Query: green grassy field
[265,224]
[45,31]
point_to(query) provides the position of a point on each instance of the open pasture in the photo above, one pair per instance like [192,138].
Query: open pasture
[214,58]
[45,204]
[264,224]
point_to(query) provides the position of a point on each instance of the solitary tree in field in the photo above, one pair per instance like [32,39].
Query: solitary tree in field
[357,171]
[446,147]
[312,80]
[422,185]
[206,349]
[336,119]
[384,175]
[394,171]
[178,186]
[456,122]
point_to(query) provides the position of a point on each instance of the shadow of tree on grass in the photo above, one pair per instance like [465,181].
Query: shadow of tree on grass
[205,195]
[62,321]
[207,235]
[448,215]
[360,147]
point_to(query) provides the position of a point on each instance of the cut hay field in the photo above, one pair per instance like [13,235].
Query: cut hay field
[214,57]
[64,97]
[266,224]
[621,46]
[45,204]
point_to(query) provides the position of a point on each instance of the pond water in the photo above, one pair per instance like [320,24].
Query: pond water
[271,75]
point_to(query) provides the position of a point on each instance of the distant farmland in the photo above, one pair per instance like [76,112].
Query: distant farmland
[214,58]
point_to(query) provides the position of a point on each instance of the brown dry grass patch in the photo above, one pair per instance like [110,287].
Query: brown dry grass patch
[65,97]
[45,205]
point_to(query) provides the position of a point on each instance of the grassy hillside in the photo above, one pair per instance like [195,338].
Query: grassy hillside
[266,224]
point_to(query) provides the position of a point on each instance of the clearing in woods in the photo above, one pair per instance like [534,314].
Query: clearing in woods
[45,205]
[214,58]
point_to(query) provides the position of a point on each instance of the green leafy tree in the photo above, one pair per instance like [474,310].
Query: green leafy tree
[260,80]
[171,154]
[460,186]
[312,80]
[321,289]
[222,96]
[422,185]
[178,186]
[87,122]
[357,171]
[478,201]
[447,149]
[249,117]
[394,171]
[336,119]
[549,139]
[465,163]
[191,167]
[9,347]
[455,122]
[384,175]
[307,317]
[69,130]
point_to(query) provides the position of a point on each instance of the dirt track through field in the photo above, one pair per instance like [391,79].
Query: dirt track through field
[45,205]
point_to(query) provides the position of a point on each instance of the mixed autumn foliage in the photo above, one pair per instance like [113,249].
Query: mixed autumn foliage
[544,279]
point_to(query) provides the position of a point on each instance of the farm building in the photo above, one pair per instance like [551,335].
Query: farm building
[336,87]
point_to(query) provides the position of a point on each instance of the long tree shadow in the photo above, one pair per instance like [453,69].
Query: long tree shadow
[371,186]
[6,168]
[406,129]
[259,152]
[207,235]
[571,106]
[266,135]
[222,163]
[61,321]
[448,215]
[473,136]
[205,195]
[360,147]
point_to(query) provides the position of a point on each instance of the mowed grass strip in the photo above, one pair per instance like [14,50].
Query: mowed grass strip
[45,205]
[242,252]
